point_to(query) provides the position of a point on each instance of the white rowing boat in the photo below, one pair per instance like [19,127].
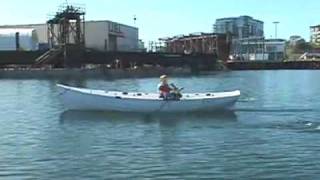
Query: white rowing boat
[88,99]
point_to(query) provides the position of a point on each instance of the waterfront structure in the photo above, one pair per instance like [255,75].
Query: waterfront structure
[199,43]
[315,35]
[99,35]
[239,27]
[254,49]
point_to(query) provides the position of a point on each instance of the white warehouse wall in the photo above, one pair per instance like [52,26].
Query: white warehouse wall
[130,41]
[41,30]
[28,39]
[96,34]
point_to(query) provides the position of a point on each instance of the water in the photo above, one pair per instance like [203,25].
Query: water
[273,132]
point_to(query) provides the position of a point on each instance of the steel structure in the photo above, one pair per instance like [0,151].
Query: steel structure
[199,43]
[67,26]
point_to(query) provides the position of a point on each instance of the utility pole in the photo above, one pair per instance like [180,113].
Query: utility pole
[276,36]
[276,29]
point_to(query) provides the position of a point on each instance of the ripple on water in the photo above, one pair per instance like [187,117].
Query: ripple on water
[272,133]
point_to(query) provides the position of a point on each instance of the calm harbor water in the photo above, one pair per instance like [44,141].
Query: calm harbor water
[273,132]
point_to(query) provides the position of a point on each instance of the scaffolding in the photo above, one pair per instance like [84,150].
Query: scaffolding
[67,26]
[200,43]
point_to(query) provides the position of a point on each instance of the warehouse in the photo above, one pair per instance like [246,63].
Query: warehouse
[18,39]
[99,35]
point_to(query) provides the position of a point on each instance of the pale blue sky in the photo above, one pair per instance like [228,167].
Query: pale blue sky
[161,18]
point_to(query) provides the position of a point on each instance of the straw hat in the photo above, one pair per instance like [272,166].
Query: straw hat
[163,77]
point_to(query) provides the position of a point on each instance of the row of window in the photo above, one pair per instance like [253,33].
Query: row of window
[315,29]
[247,30]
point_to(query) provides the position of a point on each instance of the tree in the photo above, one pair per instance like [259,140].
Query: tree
[302,47]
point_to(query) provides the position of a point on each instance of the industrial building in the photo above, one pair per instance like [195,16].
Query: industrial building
[199,43]
[241,30]
[18,40]
[315,35]
[67,40]
[99,35]
[239,27]
[255,49]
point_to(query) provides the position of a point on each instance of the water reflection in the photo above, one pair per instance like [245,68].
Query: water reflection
[163,118]
[165,136]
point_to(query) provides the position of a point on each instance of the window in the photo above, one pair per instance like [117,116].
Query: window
[271,48]
[114,27]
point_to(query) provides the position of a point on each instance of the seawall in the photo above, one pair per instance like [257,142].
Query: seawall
[272,65]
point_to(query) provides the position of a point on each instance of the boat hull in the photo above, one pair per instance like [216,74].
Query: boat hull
[86,99]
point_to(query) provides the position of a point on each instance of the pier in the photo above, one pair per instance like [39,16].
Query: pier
[113,60]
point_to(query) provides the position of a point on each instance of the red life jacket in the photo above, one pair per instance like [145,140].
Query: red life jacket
[164,88]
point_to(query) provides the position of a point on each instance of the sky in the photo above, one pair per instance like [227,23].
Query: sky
[165,18]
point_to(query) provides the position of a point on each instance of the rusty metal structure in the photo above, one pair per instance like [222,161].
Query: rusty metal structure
[199,43]
[67,26]
[66,37]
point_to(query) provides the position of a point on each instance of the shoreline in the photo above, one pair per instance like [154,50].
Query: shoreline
[273,65]
[25,72]
[94,73]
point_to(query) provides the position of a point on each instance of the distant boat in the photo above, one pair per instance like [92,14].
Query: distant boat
[100,100]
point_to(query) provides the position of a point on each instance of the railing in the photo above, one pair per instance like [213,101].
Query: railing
[48,56]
